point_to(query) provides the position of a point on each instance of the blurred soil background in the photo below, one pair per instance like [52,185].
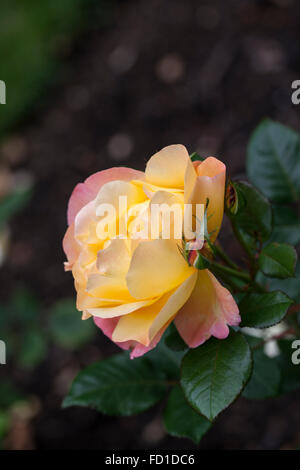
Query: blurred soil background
[97,84]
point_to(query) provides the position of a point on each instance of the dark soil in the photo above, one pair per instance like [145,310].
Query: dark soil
[198,73]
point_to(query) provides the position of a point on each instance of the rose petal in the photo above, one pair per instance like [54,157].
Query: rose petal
[83,220]
[85,192]
[70,247]
[108,325]
[107,287]
[157,266]
[139,349]
[207,312]
[144,324]
[119,310]
[114,260]
[166,215]
[210,184]
[167,167]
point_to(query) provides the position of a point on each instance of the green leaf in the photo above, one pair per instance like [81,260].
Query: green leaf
[255,217]
[286,225]
[195,157]
[118,386]
[265,378]
[66,327]
[214,374]
[201,262]
[13,203]
[173,339]
[290,373]
[278,260]
[273,161]
[263,310]
[291,286]
[181,420]
[33,348]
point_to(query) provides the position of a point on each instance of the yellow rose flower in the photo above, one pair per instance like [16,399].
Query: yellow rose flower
[135,286]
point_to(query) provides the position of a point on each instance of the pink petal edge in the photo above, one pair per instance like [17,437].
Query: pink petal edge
[87,191]
[196,325]
[108,325]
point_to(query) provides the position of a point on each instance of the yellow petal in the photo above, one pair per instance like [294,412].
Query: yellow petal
[86,301]
[83,220]
[144,324]
[190,178]
[85,315]
[166,215]
[112,204]
[176,300]
[167,167]
[114,260]
[112,191]
[119,310]
[71,247]
[157,266]
[150,189]
[107,287]
[210,184]
[167,197]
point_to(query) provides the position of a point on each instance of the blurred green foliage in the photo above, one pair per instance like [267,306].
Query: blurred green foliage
[29,330]
[13,202]
[9,395]
[27,49]
[33,34]
[66,327]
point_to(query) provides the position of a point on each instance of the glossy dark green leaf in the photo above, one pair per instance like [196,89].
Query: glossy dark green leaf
[201,262]
[286,225]
[265,378]
[195,157]
[273,161]
[118,386]
[66,327]
[263,310]
[215,373]
[181,420]
[278,260]
[291,286]
[255,217]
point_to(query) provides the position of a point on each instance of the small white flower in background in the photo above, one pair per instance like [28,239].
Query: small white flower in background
[271,348]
